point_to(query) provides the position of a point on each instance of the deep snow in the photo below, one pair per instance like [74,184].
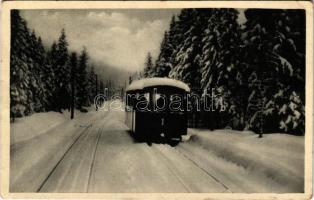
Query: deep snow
[31,126]
[34,156]
[95,153]
[36,124]
[273,163]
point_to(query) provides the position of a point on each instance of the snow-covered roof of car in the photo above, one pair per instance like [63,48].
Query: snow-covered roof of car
[150,82]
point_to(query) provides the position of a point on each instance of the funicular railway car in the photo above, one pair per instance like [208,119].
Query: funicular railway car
[156,108]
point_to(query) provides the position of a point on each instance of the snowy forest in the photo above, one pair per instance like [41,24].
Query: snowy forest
[41,78]
[258,67]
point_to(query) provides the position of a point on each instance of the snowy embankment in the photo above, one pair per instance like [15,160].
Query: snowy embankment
[41,140]
[31,126]
[274,162]
[39,123]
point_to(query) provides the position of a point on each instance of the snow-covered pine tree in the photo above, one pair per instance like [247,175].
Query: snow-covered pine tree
[163,63]
[148,69]
[37,87]
[50,76]
[82,83]
[41,60]
[19,69]
[62,73]
[187,36]
[91,85]
[275,45]
[29,70]
[219,63]
[27,56]
[39,81]
[162,67]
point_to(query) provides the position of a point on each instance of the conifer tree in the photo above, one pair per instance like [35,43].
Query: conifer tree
[275,48]
[91,85]
[219,63]
[62,73]
[50,78]
[188,36]
[148,70]
[211,51]
[37,87]
[82,83]
[40,79]
[167,48]
[19,74]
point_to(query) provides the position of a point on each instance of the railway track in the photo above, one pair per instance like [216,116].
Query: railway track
[82,134]
[174,169]
[171,168]
[205,171]
[105,158]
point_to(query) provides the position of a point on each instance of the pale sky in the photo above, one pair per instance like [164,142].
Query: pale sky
[118,38]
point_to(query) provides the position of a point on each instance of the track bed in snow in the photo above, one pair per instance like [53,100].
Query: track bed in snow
[96,153]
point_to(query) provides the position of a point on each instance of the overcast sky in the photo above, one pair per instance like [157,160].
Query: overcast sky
[119,38]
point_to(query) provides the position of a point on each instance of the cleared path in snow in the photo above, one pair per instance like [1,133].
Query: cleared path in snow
[95,153]
[106,159]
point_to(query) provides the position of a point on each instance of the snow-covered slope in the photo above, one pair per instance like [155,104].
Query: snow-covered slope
[34,125]
[39,141]
[274,162]
[31,126]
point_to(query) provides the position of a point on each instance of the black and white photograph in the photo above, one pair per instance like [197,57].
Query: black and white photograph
[159,99]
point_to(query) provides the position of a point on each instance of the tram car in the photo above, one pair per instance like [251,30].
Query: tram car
[156,108]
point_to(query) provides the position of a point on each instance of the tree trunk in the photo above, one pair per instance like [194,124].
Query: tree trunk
[96,85]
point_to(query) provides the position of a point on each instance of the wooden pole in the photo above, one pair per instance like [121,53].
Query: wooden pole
[73,73]
[96,85]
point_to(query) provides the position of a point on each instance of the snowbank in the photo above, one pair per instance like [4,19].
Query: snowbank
[278,157]
[39,142]
[38,123]
[31,126]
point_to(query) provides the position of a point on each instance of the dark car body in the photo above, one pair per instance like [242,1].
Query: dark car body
[165,114]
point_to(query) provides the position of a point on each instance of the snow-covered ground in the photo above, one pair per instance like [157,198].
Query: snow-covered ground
[273,163]
[36,124]
[39,141]
[95,153]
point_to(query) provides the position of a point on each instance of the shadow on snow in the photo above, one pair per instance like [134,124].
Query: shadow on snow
[153,139]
